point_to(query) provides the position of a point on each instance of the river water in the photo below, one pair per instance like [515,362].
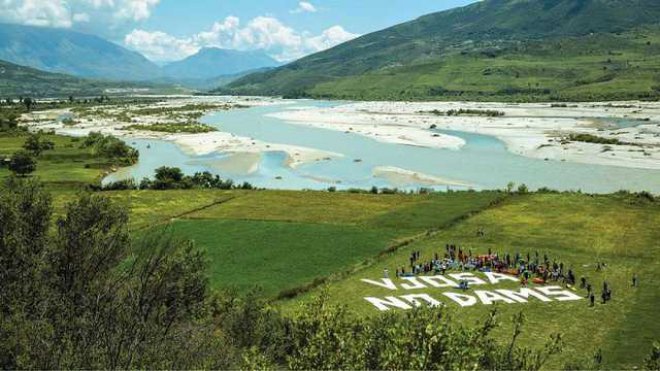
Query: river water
[483,163]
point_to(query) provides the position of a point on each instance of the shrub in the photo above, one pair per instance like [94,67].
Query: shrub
[36,144]
[22,163]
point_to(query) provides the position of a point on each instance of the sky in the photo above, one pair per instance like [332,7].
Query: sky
[168,30]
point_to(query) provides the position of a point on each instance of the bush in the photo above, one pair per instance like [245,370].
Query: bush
[22,163]
[36,144]
[121,185]
[112,148]
[589,138]
[173,178]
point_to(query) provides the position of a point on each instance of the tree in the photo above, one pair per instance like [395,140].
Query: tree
[8,121]
[168,178]
[652,362]
[36,144]
[29,103]
[78,298]
[22,163]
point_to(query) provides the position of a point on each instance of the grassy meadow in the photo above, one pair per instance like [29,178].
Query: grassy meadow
[296,244]
[68,166]
[578,230]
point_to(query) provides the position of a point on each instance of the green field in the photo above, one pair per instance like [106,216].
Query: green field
[294,244]
[282,240]
[576,229]
[67,166]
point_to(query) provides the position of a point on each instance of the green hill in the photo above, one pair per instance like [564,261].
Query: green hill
[493,49]
[18,80]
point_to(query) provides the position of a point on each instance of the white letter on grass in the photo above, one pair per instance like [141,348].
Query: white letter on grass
[415,299]
[462,299]
[497,277]
[390,301]
[435,281]
[559,293]
[488,297]
[387,283]
[522,295]
[469,277]
[415,284]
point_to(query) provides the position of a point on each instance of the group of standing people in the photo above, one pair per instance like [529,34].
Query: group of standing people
[527,267]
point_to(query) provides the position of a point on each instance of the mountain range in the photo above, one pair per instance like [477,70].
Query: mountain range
[492,49]
[522,50]
[73,53]
[16,80]
[214,62]
[88,56]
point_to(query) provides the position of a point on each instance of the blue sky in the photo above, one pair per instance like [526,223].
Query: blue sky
[167,30]
[359,16]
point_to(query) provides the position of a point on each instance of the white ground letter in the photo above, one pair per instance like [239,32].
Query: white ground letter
[390,301]
[435,281]
[469,277]
[488,297]
[522,295]
[415,285]
[416,300]
[497,277]
[387,283]
[462,299]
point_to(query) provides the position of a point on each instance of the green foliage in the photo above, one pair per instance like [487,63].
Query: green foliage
[112,148]
[80,300]
[22,163]
[189,127]
[652,362]
[8,120]
[37,144]
[590,138]
[474,112]
[173,178]
[326,337]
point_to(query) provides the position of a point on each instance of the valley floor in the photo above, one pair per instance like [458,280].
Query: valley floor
[291,244]
[537,130]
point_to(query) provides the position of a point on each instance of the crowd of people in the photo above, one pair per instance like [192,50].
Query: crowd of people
[528,268]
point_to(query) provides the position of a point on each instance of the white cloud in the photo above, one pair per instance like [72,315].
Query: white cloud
[265,33]
[110,17]
[159,45]
[304,7]
[36,13]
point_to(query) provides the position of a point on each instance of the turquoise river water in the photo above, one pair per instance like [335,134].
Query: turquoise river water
[483,162]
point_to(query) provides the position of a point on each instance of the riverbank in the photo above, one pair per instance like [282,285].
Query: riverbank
[122,120]
[539,131]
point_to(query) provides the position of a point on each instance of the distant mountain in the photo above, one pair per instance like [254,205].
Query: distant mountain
[18,80]
[206,84]
[492,48]
[213,62]
[74,53]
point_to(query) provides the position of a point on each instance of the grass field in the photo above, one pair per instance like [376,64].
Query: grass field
[68,166]
[281,240]
[576,229]
[293,244]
